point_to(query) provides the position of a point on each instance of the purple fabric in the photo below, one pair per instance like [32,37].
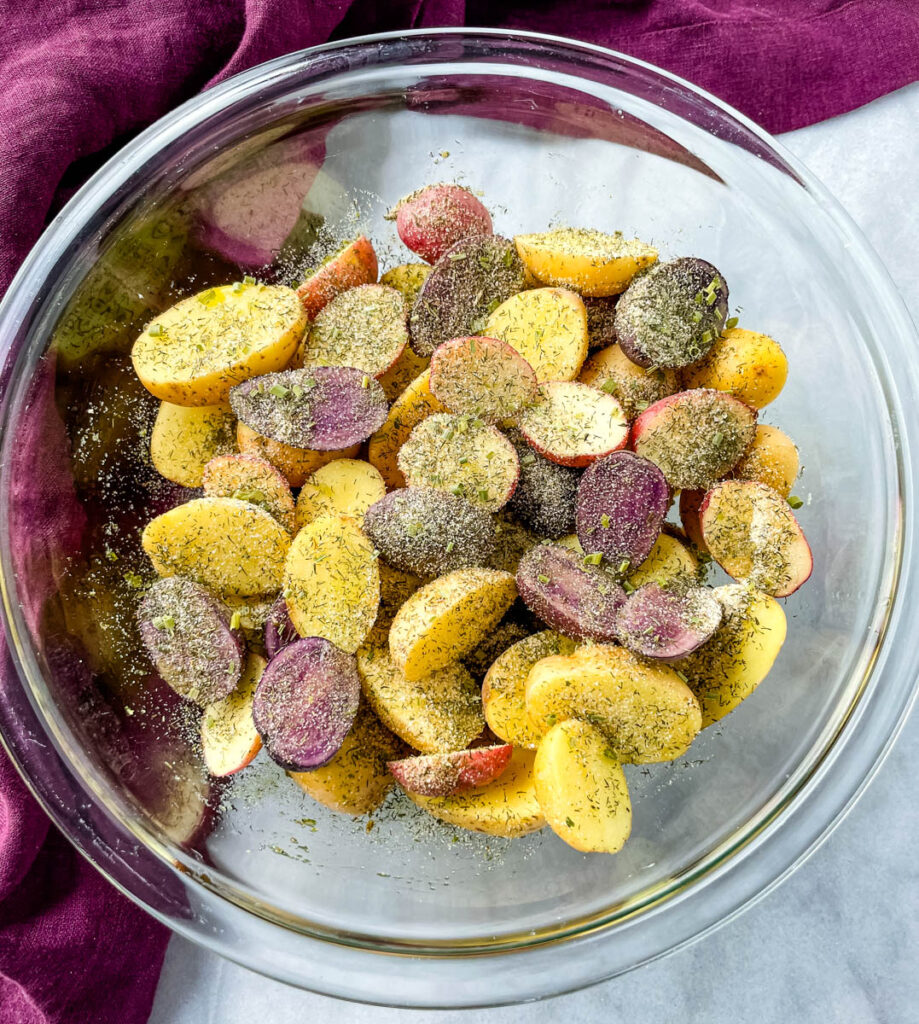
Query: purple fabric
[75,85]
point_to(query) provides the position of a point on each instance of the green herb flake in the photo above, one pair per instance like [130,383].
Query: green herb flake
[133,580]
[604,521]
[624,566]
[609,386]
[595,558]
[166,622]
[542,578]
[235,620]
[795,501]
[156,330]
[279,391]
[569,822]
[732,323]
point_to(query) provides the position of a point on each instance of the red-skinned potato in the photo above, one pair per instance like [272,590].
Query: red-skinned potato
[574,424]
[667,622]
[453,772]
[354,264]
[436,217]
[481,376]
[690,504]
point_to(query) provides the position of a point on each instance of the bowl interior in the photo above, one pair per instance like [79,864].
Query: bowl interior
[317,151]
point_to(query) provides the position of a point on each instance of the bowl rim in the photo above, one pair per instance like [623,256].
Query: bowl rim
[839,791]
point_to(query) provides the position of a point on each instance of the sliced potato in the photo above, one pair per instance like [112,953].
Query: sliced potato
[751,366]
[739,656]
[504,688]
[635,387]
[440,711]
[505,807]
[591,262]
[407,368]
[229,739]
[772,459]
[548,327]
[332,582]
[581,788]
[185,439]
[356,779]
[345,487]
[296,464]
[196,351]
[449,617]
[354,264]
[645,710]
[396,588]
[415,404]
[253,479]
[670,559]
[407,279]
[226,545]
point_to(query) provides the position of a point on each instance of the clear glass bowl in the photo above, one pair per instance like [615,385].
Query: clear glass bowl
[412,912]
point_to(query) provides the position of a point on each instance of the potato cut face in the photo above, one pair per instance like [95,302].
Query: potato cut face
[581,788]
[448,773]
[750,365]
[356,779]
[296,464]
[226,545]
[483,377]
[332,582]
[229,739]
[447,618]
[415,404]
[344,487]
[548,327]
[201,347]
[407,279]
[574,424]
[506,807]
[186,438]
[591,262]
[739,656]
[670,561]
[772,459]
[438,712]
[461,455]
[253,479]
[504,689]
[635,387]
[362,327]
[406,369]
[645,710]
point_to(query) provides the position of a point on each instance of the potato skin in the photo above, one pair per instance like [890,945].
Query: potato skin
[296,464]
[636,388]
[772,459]
[750,365]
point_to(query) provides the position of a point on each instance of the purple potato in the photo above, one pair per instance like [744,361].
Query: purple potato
[429,532]
[668,623]
[324,407]
[188,636]
[464,286]
[622,502]
[671,315]
[305,703]
[279,630]
[576,598]
[544,499]
[601,321]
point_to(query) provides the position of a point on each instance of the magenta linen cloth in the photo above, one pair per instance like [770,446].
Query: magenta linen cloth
[79,77]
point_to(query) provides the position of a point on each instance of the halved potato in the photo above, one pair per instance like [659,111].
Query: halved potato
[356,779]
[332,582]
[739,656]
[296,464]
[772,459]
[229,739]
[201,347]
[750,365]
[548,327]
[226,545]
[185,439]
[505,807]
[447,618]
[441,711]
[645,710]
[591,262]
[346,487]
[253,479]
[670,559]
[581,788]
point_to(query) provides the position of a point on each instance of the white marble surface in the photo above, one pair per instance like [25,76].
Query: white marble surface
[838,942]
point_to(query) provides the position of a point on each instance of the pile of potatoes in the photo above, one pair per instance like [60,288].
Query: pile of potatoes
[432,545]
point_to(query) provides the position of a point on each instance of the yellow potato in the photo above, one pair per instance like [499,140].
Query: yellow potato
[645,710]
[612,371]
[185,439]
[581,788]
[504,688]
[253,479]
[226,545]
[505,807]
[439,712]
[199,348]
[570,540]
[751,366]
[772,459]
[296,464]
[407,368]
[669,560]
[332,582]
[407,278]
[229,740]
[415,404]
[449,617]
[357,778]
[591,262]
[728,668]
[548,327]
[345,487]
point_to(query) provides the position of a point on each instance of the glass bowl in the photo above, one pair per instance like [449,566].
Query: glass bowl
[316,145]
